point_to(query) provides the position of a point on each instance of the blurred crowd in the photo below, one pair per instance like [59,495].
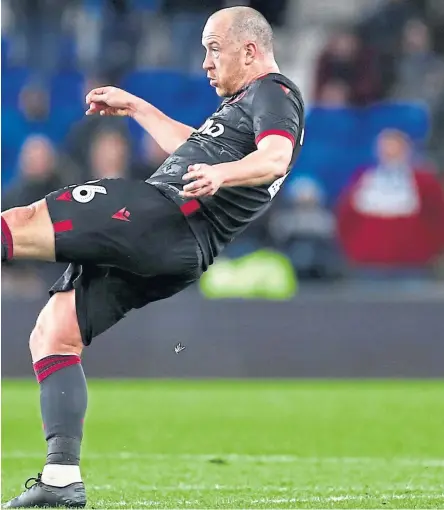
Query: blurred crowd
[386,220]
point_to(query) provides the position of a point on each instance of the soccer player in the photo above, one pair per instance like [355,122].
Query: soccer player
[130,243]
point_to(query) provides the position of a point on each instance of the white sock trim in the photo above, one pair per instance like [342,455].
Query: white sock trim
[59,475]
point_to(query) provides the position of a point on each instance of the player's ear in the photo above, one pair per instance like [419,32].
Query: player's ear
[250,53]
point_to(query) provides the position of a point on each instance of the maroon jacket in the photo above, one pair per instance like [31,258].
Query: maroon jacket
[410,239]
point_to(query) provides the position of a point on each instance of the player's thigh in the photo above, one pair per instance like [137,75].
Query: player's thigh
[121,223]
[30,228]
[104,295]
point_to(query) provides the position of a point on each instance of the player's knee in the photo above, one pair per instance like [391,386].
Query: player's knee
[56,330]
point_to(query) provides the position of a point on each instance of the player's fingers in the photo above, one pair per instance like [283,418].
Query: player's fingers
[198,167]
[108,112]
[201,192]
[100,91]
[113,112]
[200,183]
[94,108]
[194,174]
[98,98]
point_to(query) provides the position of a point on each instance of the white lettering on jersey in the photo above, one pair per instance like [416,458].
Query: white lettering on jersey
[211,128]
[86,193]
[276,186]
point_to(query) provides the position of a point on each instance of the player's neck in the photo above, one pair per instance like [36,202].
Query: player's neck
[263,71]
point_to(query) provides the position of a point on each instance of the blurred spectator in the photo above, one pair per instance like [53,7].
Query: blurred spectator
[34,103]
[347,60]
[383,28]
[37,34]
[305,230]
[38,173]
[83,133]
[120,37]
[334,94]
[110,156]
[421,77]
[30,116]
[393,215]
[186,19]
[434,16]
[420,72]
[437,136]
[152,157]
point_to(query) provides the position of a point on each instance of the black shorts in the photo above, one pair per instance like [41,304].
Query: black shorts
[127,244]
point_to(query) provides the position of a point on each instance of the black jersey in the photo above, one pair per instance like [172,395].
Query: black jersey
[270,105]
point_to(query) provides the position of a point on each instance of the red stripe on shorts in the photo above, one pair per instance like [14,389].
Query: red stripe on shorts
[62,226]
[190,207]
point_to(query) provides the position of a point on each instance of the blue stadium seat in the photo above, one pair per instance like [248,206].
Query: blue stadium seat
[5,52]
[412,118]
[159,87]
[340,124]
[67,88]
[15,129]
[13,80]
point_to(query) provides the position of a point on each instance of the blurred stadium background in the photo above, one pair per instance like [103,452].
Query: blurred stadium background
[357,235]
[343,278]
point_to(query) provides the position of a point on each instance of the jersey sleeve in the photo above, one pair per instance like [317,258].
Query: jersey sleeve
[275,112]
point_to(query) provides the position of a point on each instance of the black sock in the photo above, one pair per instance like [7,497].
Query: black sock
[7,244]
[63,402]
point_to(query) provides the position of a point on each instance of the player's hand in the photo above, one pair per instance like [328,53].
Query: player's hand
[110,101]
[206,180]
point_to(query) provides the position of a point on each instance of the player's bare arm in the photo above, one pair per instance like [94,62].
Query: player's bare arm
[268,163]
[167,132]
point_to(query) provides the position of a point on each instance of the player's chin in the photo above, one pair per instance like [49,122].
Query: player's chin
[221,92]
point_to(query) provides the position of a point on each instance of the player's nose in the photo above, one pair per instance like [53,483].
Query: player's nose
[207,63]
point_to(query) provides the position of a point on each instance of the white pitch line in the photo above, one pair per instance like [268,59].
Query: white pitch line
[314,499]
[335,499]
[234,457]
[182,487]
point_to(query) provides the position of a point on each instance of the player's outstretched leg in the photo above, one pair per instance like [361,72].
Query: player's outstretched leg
[28,233]
[56,347]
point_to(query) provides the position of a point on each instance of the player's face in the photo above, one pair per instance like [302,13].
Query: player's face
[225,59]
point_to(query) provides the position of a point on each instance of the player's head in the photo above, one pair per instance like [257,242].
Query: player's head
[239,46]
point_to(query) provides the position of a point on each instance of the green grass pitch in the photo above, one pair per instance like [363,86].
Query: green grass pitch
[244,444]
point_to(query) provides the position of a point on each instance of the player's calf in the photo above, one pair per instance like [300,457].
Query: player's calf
[27,233]
[56,345]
